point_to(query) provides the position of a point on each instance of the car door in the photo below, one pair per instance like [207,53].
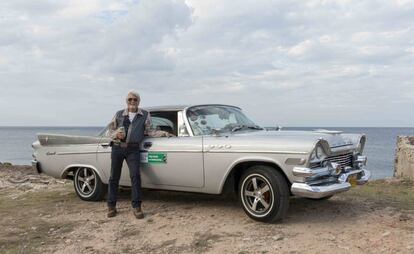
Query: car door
[103,157]
[172,161]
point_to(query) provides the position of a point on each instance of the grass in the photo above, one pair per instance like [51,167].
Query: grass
[398,194]
[24,228]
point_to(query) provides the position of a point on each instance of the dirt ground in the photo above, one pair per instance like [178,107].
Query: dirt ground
[39,214]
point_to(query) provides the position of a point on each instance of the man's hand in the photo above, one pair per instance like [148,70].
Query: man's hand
[170,135]
[120,135]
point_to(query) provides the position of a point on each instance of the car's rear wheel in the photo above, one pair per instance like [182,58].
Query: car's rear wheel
[88,185]
[264,194]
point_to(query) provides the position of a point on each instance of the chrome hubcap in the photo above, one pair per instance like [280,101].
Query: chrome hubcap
[257,195]
[85,181]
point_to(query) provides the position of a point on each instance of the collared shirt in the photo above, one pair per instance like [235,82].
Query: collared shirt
[133,135]
[147,121]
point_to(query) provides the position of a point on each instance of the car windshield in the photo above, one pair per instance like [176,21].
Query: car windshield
[206,120]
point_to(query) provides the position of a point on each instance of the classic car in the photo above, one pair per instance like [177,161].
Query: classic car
[216,149]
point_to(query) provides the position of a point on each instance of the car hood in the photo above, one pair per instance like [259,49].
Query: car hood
[297,141]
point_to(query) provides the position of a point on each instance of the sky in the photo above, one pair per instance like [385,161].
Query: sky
[285,63]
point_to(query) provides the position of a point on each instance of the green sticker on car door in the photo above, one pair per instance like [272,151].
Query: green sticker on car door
[154,157]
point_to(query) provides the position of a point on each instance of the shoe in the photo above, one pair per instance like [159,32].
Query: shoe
[111,212]
[138,213]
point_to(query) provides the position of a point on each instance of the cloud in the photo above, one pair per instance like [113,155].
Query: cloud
[302,61]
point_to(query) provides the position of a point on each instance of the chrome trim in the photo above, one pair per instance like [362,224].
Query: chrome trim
[308,191]
[344,177]
[343,160]
[180,123]
[308,172]
[65,171]
[172,151]
[365,177]
[187,123]
[68,153]
[361,159]
[333,147]
[161,151]
[316,189]
[255,152]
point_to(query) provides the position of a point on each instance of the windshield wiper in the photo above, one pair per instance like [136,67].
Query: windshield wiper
[255,127]
[240,127]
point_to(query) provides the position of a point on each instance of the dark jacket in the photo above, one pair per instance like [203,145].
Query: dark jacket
[137,129]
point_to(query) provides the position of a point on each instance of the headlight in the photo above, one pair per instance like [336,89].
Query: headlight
[318,154]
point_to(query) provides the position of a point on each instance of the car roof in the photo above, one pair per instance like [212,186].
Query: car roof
[180,107]
[167,108]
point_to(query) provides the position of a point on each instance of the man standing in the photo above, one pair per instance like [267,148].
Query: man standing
[128,129]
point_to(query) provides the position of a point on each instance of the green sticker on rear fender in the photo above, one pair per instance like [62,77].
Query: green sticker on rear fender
[154,157]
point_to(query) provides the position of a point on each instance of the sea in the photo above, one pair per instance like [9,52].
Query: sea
[15,143]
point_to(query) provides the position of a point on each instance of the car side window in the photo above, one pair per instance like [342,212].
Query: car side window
[164,121]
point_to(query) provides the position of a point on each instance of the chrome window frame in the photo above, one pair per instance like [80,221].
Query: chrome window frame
[182,120]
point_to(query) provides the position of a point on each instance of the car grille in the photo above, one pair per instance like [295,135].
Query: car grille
[344,160]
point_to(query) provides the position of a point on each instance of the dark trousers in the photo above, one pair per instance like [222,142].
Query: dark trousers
[132,157]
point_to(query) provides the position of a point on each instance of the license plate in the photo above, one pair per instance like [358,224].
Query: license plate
[352,179]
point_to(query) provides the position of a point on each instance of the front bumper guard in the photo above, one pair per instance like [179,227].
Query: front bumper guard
[316,191]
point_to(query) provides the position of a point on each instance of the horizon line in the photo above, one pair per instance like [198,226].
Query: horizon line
[97,126]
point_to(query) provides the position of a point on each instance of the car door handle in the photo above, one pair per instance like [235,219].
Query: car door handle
[147,145]
[105,145]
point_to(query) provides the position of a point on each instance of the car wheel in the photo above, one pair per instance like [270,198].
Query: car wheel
[264,194]
[88,185]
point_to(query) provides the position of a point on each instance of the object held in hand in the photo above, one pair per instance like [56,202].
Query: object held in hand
[121,132]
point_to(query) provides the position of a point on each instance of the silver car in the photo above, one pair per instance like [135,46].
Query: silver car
[216,149]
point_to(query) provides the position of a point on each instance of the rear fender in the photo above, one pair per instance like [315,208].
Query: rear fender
[74,166]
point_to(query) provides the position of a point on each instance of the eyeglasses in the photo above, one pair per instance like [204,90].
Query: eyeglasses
[132,99]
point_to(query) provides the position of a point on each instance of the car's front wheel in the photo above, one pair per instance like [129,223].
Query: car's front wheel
[264,194]
[88,185]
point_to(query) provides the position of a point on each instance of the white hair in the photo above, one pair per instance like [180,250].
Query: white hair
[134,93]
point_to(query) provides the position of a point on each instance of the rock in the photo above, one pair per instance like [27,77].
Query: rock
[278,238]
[343,247]
[404,217]
[404,158]
[332,238]
[386,234]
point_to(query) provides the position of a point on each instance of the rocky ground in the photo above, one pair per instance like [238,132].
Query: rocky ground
[39,214]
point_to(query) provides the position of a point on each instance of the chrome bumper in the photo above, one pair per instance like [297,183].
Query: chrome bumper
[309,191]
[36,166]
[314,188]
